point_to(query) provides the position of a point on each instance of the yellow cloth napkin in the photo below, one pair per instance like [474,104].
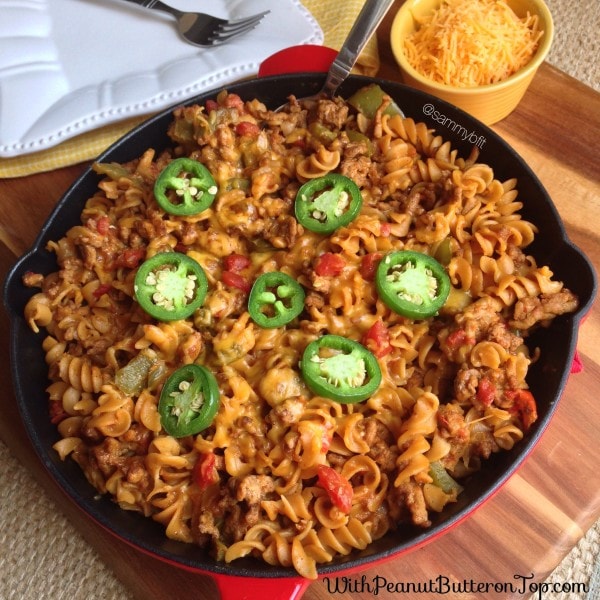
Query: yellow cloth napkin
[335,19]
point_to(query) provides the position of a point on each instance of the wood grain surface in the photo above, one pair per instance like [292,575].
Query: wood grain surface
[521,534]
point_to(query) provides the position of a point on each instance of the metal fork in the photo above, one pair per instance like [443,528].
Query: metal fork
[204,30]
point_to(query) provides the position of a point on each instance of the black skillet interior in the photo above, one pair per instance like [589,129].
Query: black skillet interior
[547,378]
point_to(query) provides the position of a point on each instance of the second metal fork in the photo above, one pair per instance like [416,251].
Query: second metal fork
[204,30]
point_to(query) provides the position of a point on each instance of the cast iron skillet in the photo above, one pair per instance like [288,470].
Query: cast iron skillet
[547,378]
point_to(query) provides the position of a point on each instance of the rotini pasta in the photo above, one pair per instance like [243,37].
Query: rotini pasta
[283,473]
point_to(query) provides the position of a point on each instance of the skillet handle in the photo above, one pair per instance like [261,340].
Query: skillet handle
[249,588]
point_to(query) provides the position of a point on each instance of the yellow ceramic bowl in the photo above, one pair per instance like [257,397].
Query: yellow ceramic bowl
[488,103]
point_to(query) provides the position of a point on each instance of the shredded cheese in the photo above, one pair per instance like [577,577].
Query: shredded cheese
[468,43]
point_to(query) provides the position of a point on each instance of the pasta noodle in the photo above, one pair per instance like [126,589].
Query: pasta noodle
[454,386]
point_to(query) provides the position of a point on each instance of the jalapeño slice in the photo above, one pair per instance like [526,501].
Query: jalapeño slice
[326,203]
[412,284]
[189,401]
[340,369]
[170,286]
[275,300]
[185,187]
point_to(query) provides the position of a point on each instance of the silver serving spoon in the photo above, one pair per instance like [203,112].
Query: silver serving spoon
[365,25]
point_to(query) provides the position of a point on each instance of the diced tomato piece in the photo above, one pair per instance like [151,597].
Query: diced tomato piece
[236,262]
[329,265]
[234,101]
[338,488]
[386,230]
[103,225]
[130,258]
[245,128]
[230,101]
[368,265]
[486,392]
[211,105]
[458,338]
[205,471]
[102,289]
[524,406]
[377,339]
[235,280]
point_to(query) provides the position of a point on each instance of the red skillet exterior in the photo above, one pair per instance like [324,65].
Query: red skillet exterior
[298,59]
[548,377]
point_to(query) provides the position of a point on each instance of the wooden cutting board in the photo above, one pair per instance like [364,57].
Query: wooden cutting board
[520,535]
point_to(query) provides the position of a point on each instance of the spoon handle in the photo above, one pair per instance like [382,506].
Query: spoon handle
[367,21]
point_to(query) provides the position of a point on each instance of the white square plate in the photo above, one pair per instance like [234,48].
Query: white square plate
[70,66]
